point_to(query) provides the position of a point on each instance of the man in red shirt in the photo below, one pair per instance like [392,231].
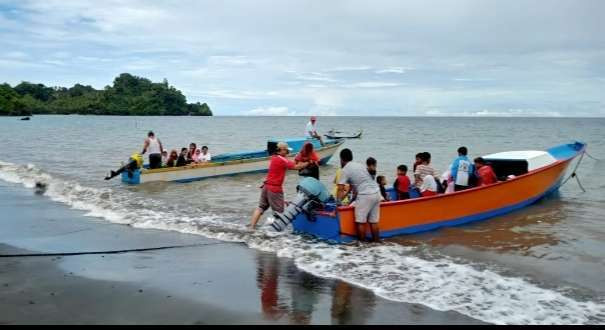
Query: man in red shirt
[485,173]
[272,193]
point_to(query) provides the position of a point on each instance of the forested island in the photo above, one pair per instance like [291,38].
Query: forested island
[129,96]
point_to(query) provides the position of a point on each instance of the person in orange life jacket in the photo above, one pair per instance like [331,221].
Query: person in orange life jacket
[402,183]
[272,193]
[485,173]
[462,170]
[155,148]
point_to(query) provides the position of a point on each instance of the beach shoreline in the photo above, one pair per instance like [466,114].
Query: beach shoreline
[214,283]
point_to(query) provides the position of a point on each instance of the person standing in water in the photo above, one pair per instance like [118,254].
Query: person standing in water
[272,192]
[154,146]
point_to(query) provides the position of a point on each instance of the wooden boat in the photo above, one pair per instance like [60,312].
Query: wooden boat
[25,118]
[530,176]
[229,163]
[340,135]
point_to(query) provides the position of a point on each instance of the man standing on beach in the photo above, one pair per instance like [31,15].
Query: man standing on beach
[367,203]
[311,130]
[272,193]
[155,150]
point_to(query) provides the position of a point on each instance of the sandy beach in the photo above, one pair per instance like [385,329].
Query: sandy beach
[214,283]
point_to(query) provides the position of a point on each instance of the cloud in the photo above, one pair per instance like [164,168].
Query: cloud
[269,111]
[398,70]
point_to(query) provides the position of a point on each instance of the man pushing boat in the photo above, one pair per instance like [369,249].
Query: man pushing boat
[272,193]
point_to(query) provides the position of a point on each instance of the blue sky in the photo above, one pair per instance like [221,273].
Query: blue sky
[392,58]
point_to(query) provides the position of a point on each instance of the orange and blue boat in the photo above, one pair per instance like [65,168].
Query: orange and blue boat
[527,176]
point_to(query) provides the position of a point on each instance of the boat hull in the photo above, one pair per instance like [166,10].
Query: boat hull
[444,210]
[216,169]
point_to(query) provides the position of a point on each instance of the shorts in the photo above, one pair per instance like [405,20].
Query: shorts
[403,195]
[367,208]
[155,161]
[271,199]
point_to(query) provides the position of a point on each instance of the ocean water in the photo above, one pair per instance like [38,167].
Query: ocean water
[541,265]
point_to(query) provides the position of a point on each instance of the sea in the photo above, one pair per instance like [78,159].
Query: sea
[543,264]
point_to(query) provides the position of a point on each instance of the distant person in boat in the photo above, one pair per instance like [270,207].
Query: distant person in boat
[311,130]
[367,202]
[371,166]
[382,182]
[182,160]
[462,170]
[205,155]
[154,146]
[172,159]
[164,157]
[485,173]
[423,169]
[429,186]
[191,153]
[402,183]
[272,193]
[307,154]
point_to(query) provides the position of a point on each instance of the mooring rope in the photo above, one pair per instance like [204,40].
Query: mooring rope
[573,173]
[63,254]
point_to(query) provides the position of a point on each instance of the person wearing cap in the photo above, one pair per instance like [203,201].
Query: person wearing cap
[311,130]
[272,193]
[155,148]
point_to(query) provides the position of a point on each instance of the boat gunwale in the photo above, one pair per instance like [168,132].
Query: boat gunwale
[470,190]
[226,163]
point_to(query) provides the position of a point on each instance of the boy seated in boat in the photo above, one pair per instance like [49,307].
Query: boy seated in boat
[402,183]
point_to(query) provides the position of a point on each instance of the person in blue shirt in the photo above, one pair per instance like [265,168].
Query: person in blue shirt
[462,170]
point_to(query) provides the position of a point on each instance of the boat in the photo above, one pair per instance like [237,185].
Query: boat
[229,163]
[332,134]
[25,118]
[528,176]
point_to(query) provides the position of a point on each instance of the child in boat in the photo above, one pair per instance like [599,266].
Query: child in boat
[171,161]
[371,165]
[429,186]
[382,182]
[424,169]
[182,160]
[402,183]
[205,155]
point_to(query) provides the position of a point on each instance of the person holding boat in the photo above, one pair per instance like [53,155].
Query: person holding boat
[154,146]
[311,130]
[367,202]
[462,170]
[272,193]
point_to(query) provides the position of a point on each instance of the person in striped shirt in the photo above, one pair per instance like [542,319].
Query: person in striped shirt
[423,169]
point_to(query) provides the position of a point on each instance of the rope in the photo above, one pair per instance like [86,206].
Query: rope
[573,173]
[587,154]
[63,254]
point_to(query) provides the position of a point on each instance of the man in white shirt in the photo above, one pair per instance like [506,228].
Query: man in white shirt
[311,130]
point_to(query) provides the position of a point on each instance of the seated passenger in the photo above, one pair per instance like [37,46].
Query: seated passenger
[347,199]
[164,157]
[418,161]
[171,161]
[191,152]
[196,156]
[382,182]
[182,160]
[447,182]
[485,173]
[402,183]
[424,169]
[205,155]
[308,155]
[429,186]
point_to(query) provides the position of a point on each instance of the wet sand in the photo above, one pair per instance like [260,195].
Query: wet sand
[215,283]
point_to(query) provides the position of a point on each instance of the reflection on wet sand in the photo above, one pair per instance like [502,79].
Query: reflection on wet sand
[517,232]
[350,305]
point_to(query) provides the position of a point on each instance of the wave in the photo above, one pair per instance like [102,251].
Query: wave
[392,271]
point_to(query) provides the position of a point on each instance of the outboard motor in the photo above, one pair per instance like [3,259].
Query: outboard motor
[134,162]
[311,195]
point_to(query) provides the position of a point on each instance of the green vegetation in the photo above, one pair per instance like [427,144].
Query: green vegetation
[130,96]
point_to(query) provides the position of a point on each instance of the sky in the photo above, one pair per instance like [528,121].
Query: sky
[337,57]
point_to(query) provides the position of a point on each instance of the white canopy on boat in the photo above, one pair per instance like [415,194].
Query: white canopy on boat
[535,159]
